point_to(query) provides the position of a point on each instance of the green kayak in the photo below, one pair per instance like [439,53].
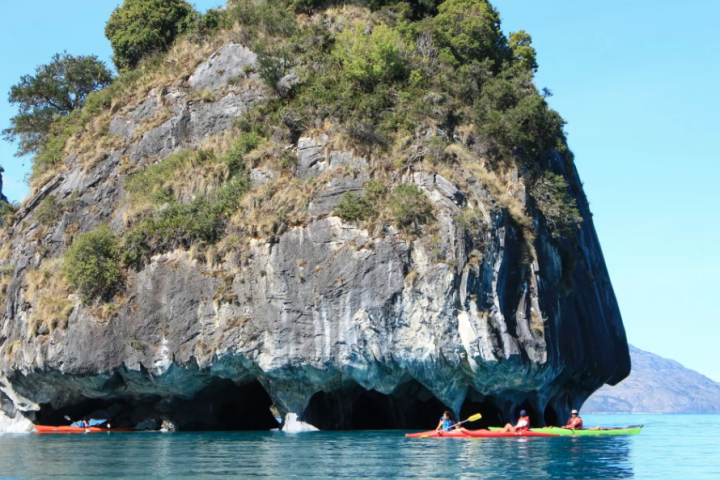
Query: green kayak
[632,430]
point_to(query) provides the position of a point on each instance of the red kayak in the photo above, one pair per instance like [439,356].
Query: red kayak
[462,433]
[67,429]
[435,434]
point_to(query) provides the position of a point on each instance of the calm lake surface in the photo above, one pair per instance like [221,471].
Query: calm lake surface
[666,449]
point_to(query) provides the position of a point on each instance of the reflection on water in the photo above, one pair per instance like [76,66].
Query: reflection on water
[658,453]
[318,455]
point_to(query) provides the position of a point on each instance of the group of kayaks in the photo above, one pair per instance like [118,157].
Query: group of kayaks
[533,432]
[459,433]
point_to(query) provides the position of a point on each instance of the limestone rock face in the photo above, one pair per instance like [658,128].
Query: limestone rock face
[326,322]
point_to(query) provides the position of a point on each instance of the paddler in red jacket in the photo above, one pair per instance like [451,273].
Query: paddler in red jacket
[575,422]
[523,423]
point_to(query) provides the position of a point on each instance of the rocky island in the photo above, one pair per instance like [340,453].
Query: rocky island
[354,217]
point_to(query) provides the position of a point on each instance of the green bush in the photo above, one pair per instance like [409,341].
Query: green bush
[524,53]
[184,224]
[470,30]
[272,66]
[214,20]
[92,263]
[143,27]
[516,118]
[374,190]
[410,207]
[372,59]
[354,206]
[559,208]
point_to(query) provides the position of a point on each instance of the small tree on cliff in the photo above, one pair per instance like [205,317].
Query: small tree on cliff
[470,29]
[92,263]
[57,88]
[552,196]
[524,53]
[142,27]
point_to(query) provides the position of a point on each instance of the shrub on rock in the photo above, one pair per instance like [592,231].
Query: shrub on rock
[142,27]
[92,263]
[410,207]
[372,59]
[552,196]
[354,206]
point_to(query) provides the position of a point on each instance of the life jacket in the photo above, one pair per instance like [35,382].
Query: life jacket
[576,424]
[446,423]
[526,419]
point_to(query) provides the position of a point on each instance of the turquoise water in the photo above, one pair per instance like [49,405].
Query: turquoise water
[664,450]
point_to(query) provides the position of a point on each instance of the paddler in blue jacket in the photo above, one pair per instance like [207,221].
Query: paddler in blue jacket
[447,422]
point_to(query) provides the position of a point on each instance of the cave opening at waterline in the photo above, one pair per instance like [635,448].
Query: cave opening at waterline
[551,416]
[410,406]
[486,406]
[224,405]
[221,406]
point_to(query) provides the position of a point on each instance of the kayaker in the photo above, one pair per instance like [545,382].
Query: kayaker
[84,423]
[575,422]
[447,422]
[523,423]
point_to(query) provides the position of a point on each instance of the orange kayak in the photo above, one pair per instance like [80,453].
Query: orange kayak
[68,429]
[462,433]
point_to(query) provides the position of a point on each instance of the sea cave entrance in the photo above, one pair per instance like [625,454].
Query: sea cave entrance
[410,406]
[551,416]
[221,406]
[487,406]
[225,406]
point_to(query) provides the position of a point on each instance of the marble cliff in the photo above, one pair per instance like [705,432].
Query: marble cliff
[341,324]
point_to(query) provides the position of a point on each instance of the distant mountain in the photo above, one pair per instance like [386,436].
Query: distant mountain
[657,385]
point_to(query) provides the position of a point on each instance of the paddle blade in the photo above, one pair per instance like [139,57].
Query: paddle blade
[474,418]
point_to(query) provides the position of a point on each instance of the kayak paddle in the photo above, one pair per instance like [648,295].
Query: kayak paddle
[472,418]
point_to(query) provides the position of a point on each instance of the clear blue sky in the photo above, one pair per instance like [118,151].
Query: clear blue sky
[636,81]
